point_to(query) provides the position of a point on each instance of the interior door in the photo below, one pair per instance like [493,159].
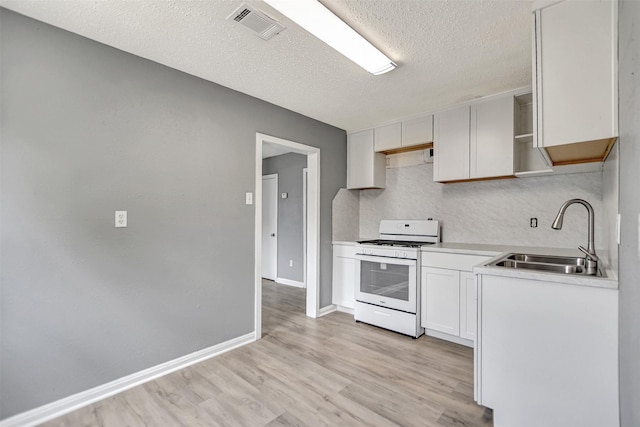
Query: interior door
[270,226]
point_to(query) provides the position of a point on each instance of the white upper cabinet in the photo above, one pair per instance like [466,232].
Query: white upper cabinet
[412,134]
[575,79]
[365,167]
[417,131]
[474,142]
[388,137]
[492,138]
[451,145]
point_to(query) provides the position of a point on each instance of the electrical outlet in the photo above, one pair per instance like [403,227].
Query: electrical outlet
[290,263]
[121,219]
[533,222]
[248,198]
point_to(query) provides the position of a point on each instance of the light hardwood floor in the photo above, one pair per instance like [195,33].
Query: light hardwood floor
[330,371]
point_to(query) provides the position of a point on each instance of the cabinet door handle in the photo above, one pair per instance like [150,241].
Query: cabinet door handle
[273,234]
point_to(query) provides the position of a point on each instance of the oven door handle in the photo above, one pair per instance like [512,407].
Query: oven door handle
[386,260]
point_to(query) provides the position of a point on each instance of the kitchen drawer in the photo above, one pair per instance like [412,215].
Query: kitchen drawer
[345,251]
[452,261]
[394,320]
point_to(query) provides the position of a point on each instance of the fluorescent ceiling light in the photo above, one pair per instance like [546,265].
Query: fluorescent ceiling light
[322,23]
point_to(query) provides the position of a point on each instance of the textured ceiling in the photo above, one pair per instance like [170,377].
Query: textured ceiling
[448,51]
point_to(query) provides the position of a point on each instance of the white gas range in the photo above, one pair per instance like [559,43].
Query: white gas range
[388,275]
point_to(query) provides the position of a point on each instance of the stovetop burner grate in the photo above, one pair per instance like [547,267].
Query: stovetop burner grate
[395,243]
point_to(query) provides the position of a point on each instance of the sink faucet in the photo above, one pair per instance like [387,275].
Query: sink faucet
[591,259]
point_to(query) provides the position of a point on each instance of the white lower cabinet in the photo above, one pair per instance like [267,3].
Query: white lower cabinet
[468,309]
[449,296]
[442,297]
[547,353]
[344,276]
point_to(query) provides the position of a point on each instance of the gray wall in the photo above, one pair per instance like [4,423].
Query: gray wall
[290,212]
[87,130]
[629,277]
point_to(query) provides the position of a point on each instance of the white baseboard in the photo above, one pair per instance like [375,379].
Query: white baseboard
[326,310]
[447,337]
[343,309]
[290,282]
[63,406]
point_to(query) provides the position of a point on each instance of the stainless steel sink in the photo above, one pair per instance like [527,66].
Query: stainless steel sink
[545,263]
[548,259]
[556,268]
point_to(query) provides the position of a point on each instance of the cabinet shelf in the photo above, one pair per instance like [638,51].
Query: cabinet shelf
[529,161]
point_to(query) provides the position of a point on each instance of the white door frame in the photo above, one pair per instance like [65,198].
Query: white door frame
[313,225]
[305,175]
[273,176]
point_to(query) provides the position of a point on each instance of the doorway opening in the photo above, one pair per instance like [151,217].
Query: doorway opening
[312,219]
[270,232]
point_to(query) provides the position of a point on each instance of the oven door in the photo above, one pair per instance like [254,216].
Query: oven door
[388,282]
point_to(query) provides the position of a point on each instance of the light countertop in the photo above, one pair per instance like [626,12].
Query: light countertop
[608,282]
[497,251]
[343,242]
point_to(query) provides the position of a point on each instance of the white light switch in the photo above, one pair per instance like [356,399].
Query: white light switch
[121,219]
[249,199]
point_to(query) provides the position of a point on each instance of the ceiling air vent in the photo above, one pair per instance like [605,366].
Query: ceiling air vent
[256,21]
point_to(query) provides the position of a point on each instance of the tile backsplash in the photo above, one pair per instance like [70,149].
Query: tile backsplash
[494,212]
[345,215]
